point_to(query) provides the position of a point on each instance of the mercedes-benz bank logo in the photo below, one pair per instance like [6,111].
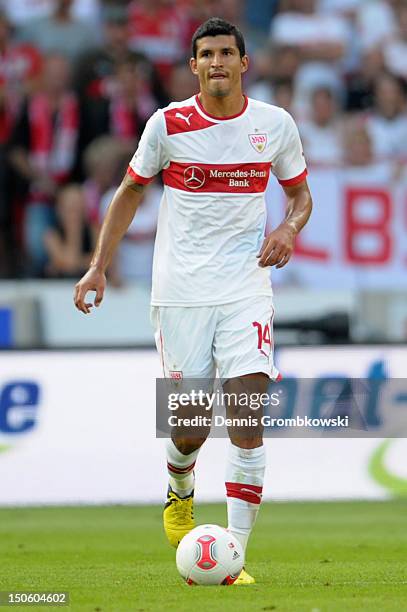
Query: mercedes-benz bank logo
[194,177]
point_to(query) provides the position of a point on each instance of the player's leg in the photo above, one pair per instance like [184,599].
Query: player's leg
[184,341]
[246,460]
[178,515]
[244,356]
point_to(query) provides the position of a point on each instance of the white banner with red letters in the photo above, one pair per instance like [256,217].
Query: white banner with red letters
[357,235]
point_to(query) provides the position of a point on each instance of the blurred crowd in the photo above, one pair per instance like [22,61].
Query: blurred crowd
[80,78]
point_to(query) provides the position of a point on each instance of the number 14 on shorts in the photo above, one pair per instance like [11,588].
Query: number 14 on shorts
[263,337]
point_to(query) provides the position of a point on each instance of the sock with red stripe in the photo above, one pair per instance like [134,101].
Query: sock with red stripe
[244,487]
[181,470]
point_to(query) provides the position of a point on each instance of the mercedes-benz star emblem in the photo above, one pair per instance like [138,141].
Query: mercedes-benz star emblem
[194,177]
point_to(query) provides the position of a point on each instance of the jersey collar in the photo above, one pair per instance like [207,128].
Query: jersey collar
[206,114]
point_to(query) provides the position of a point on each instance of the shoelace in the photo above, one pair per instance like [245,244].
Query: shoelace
[182,509]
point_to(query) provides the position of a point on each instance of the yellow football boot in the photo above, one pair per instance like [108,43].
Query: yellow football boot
[178,516]
[244,578]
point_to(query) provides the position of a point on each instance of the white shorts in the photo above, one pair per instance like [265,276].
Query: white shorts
[235,339]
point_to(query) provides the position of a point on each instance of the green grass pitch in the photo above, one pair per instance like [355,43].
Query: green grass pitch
[314,557]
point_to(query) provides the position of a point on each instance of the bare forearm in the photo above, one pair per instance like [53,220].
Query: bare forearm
[278,246]
[119,216]
[298,209]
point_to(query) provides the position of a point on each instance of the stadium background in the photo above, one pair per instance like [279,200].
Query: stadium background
[77,394]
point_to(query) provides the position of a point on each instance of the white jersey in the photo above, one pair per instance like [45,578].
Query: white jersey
[213,215]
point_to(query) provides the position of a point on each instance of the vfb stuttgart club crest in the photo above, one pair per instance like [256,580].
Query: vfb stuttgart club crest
[258,141]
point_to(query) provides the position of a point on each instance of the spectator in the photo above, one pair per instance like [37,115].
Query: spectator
[274,68]
[318,36]
[159,30]
[95,68]
[395,50]
[43,152]
[133,102]
[375,23]
[61,33]
[284,94]
[89,11]
[20,70]
[182,83]
[105,161]
[387,124]
[20,66]
[134,258]
[234,12]
[346,8]
[322,40]
[360,86]
[260,13]
[321,134]
[311,76]
[125,110]
[196,12]
[358,145]
[6,232]
[21,12]
[69,244]
[360,162]
[6,104]
[314,68]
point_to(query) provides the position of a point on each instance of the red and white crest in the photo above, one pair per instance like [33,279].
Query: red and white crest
[258,141]
[176,374]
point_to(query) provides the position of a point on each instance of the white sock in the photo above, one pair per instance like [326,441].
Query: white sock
[244,487]
[181,470]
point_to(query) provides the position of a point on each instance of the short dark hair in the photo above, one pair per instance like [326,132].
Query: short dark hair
[217,27]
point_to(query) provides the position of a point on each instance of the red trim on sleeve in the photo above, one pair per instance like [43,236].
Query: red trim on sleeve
[295,180]
[139,179]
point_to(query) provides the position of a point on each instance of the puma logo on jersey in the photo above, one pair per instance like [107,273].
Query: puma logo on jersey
[186,119]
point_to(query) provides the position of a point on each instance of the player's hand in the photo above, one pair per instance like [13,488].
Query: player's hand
[93,280]
[277,247]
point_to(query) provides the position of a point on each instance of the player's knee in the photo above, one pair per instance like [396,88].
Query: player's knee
[186,446]
[246,415]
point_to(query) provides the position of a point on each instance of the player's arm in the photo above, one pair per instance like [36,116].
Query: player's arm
[278,246]
[119,216]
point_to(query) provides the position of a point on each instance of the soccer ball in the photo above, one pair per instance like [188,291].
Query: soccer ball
[209,555]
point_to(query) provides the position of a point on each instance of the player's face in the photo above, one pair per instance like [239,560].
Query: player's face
[218,65]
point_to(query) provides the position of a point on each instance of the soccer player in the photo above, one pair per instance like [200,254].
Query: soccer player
[211,295]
